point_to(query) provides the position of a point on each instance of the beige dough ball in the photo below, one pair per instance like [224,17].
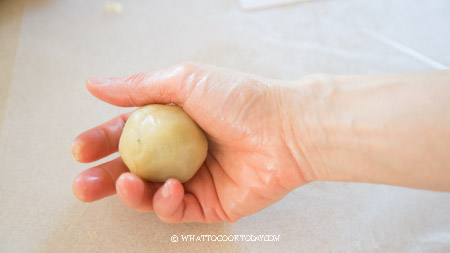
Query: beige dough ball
[160,142]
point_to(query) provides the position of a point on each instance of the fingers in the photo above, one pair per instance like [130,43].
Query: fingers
[134,193]
[165,86]
[98,182]
[99,141]
[168,200]
[172,205]
[194,201]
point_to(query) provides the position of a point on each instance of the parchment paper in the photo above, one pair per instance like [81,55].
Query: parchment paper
[64,42]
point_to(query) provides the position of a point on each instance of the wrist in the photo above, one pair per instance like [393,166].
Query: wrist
[388,129]
[310,125]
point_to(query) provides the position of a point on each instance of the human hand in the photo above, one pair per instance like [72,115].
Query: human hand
[253,160]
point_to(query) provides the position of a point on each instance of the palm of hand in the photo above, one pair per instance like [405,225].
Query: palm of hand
[248,166]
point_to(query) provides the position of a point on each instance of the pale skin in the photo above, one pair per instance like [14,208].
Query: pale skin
[267,137]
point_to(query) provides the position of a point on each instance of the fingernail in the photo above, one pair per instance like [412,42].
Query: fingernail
[165,190]
[78,189]
[97,80]
[130,190]
[75,151]
[126,178]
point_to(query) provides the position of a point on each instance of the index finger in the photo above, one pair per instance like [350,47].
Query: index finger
[165,86]
[99,141]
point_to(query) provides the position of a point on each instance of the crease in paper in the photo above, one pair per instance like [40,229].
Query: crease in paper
[406,50]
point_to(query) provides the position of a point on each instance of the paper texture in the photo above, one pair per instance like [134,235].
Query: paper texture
[62,43]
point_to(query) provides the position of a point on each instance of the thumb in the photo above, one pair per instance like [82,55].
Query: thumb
[163,86]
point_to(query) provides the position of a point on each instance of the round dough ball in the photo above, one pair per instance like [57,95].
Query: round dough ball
[160,142]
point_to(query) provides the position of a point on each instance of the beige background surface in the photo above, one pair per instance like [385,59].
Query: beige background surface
[50,47]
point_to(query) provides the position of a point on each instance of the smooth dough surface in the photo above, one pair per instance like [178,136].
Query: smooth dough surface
[160,142]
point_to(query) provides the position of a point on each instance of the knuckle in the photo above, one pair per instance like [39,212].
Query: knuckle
[189,65]
[188,75]
[186,67]
[319,83]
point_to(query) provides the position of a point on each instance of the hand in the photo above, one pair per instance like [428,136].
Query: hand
[250,163]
